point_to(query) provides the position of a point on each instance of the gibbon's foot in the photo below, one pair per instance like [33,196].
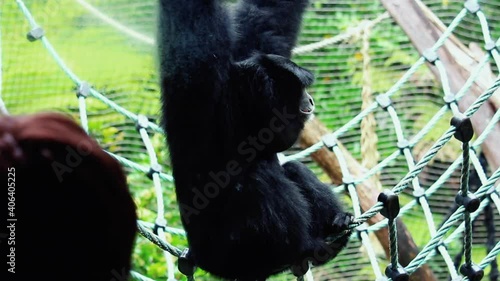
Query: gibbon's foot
[331,247]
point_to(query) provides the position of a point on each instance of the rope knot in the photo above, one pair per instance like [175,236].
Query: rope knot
[35,34]
[186,264]
[142,122]
[83,90]
[472,6]
[154,169]
[472,271]
[390,202]
[469,201]
[397,274]
[430,56]
[384,101]
[464,130]
[300,269]
[329,141]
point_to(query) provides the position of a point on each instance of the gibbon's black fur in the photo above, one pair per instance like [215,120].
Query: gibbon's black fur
[232,99]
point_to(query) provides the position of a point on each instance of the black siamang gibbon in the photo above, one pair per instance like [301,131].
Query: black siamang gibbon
[231,100]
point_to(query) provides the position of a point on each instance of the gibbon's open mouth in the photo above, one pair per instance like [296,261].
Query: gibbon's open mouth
[307,104]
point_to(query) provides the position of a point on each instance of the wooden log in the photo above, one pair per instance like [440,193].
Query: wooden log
[424,28]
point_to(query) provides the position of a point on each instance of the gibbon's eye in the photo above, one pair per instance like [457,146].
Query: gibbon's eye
[306,104]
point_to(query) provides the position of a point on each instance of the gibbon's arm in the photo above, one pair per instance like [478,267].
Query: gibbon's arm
[194,66]
[193,39]
[267,26]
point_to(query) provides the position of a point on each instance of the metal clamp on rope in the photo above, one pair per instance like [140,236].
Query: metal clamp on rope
[490,46]
[469,201]
[472,6]
[329,141]
[185,263]
[449,99]
[160,223]
[397,274]
[156,227]
[83,90]
[361,229]
[419,193]
[35,34]
[403,144]
[430,56]
[472,271]
[391,204]
[464,130]
[442,244]
[142,122]
[492,191]
[347,180]
[154,169]
[384,101]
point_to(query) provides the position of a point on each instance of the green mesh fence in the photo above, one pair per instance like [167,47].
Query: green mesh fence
[94,59]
